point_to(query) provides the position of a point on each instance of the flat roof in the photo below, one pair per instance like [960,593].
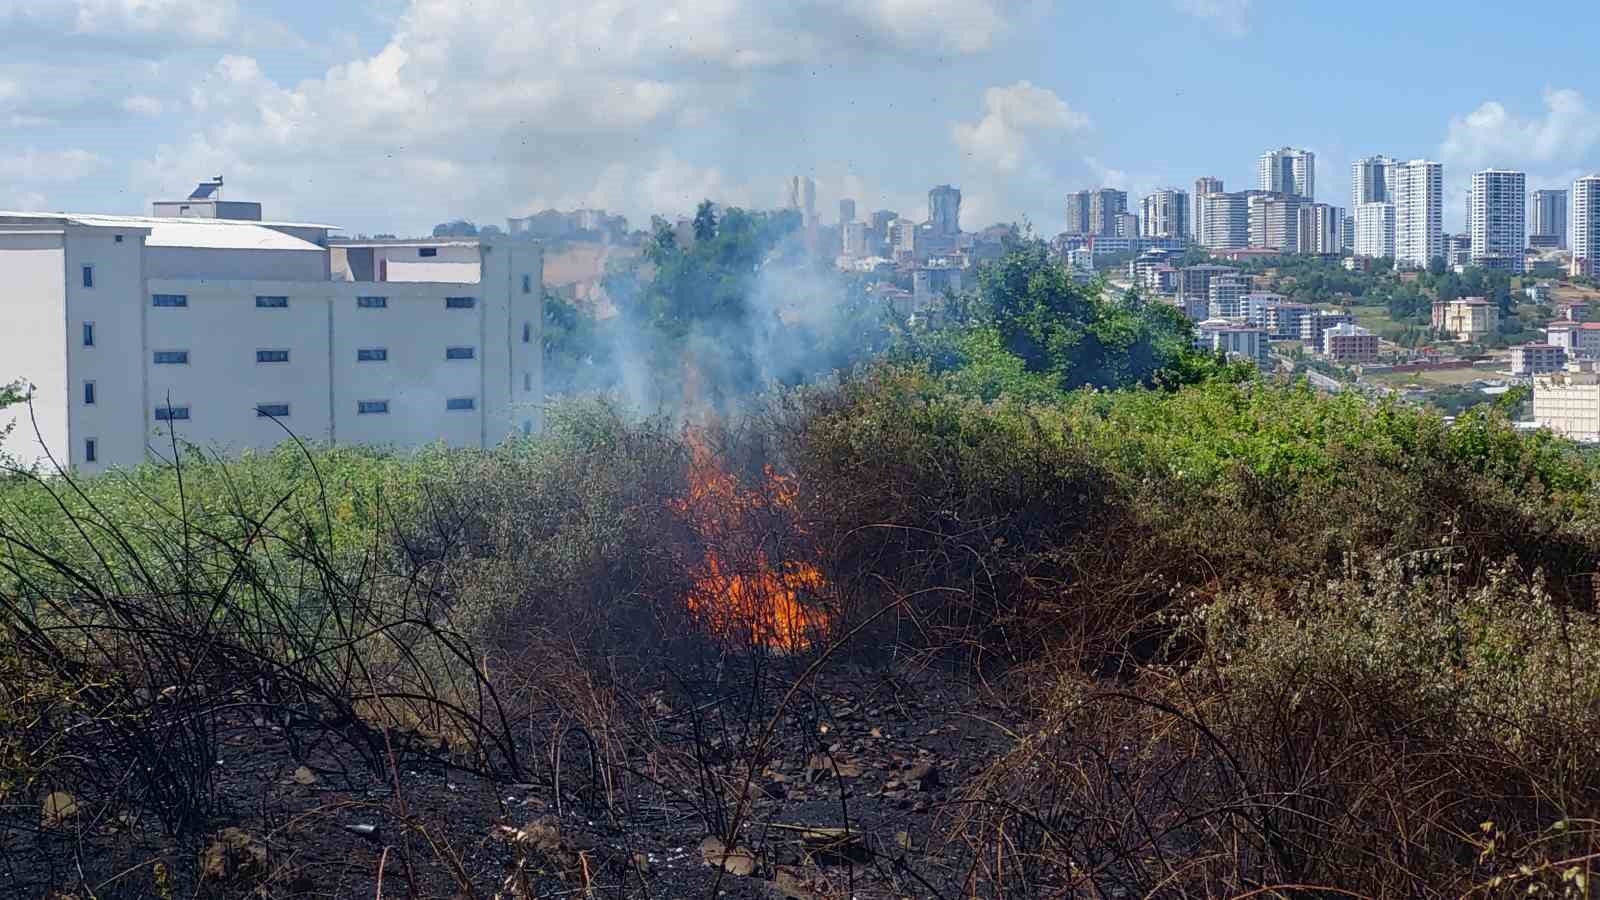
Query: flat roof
[97,220]
[405,242]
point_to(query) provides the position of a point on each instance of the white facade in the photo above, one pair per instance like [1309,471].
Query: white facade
[1234,341]
[127,327]
[1585,226]
[1418,192]
[1375,230]
[1568,403]
[1321,229]
[1166,214]
[1537,359]
[1498,223]
[1203,187]
[1226,221]
[1549,215]
[1370,181]
[1288,171]
[1580,340]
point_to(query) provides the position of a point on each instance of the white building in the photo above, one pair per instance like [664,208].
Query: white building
[1568,402]
[1288,171]
[1579,340]
[229,332]
[1584,233]
[1321,228]
[1203,187]
[1370,180]
[1418,192]
[1499,220]
[1234,340]
[1537,359]
[1349,343]
[1166,214]
[1225,221]
[1375,230]
[1549,216]
[1226,294]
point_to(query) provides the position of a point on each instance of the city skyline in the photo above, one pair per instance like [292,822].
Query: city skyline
[507,107]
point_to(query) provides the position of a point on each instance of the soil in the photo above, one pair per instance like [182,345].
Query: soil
[855,798]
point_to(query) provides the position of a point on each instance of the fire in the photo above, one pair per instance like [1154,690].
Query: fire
[739,591]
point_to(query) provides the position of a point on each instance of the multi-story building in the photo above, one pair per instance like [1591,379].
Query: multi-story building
[1283,320]
[1125,225]
[1549,219]
[1105,205]
[1457,250]
[1234,341]
[1078,203]
[1275,222]
[1375,230]
[1370,180]
[1316,323]
[1585,231]
[227,332]
[1320,229]
[1256,305]
[929,283]
[847,211]
[1288,171]
[1226,221]
[1418,192]
[1226,295]
[1166,214]
[944,210]
[1195,281]
[855,239]
[1349,343]
[1579,340]
[1467,319]
[1203,187]
[1537,359]
[1568,402]
[1499,220]
[803,197]
[1347,233]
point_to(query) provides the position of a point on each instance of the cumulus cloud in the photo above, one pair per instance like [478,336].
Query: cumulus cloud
[119,21]
[1566,132]
[142,105]
[1012,117]
[24,174]
[1232,16]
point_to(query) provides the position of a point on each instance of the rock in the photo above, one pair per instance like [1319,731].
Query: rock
[370,832]
[737,861]
[57,808]
[822,764]
[234,857]
[924,775]
[789,883]
[304,775]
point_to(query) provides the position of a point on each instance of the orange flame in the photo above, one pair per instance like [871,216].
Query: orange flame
[738,592]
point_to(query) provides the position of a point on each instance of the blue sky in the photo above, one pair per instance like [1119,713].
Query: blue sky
[391,115]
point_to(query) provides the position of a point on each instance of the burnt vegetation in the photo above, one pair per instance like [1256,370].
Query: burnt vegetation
[1081,614]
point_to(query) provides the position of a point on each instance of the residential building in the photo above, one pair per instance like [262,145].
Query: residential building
[1225,221]
[847,211]
[929,283]
[1081,259]
[1256,305]
[1288,171]
[1467,319]
[803,197]
[1226,294]
[1418,192]
[1203,187]
[1275,222]
[1568,402]
[855,239]
[1078,213]
[1538,292]
[1499,220]
[1457,250]
[1584,234]
[1347,233]
[1375,230]
[1537,359]
[1234,340]
[1549,219]
[1105,205]
[1320,229]
[1316,322]
[1195,281]
[1283,320]
[1370,181]
[1349,343]
[1579,340]
[227,332]
[944,210]
[1125,225]
[1166,214]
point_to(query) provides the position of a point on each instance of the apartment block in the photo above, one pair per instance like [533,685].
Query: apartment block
[229,332]
[1467,319]
[1578,340]
[1499,220]
[1537,359]
[1375,230]
[1549,218]
[1288,171]
[1225,221]
[1203,187]
[1568,402]
[1349,343]
[1226,295]
[1418,196]
[1584,234]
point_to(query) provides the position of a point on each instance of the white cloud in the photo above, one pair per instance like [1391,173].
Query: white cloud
[143,105]
[1013,115]
[48,166]
[119,21]
[1492,135]
[1232,16]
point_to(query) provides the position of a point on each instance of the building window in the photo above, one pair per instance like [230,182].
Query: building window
[460,302]
[172,413]
[459,353]
[527,332]
[172,357]
[372,407]
[169,300]
[272,303]
[88,276]
[427,252]
[527,284]
[91,450]
[88,393]
[527,427]
[272,410]
[460,404]
[272,356]
[118,238]
[88,334]
[372,302]
[372,354]
[527,381]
